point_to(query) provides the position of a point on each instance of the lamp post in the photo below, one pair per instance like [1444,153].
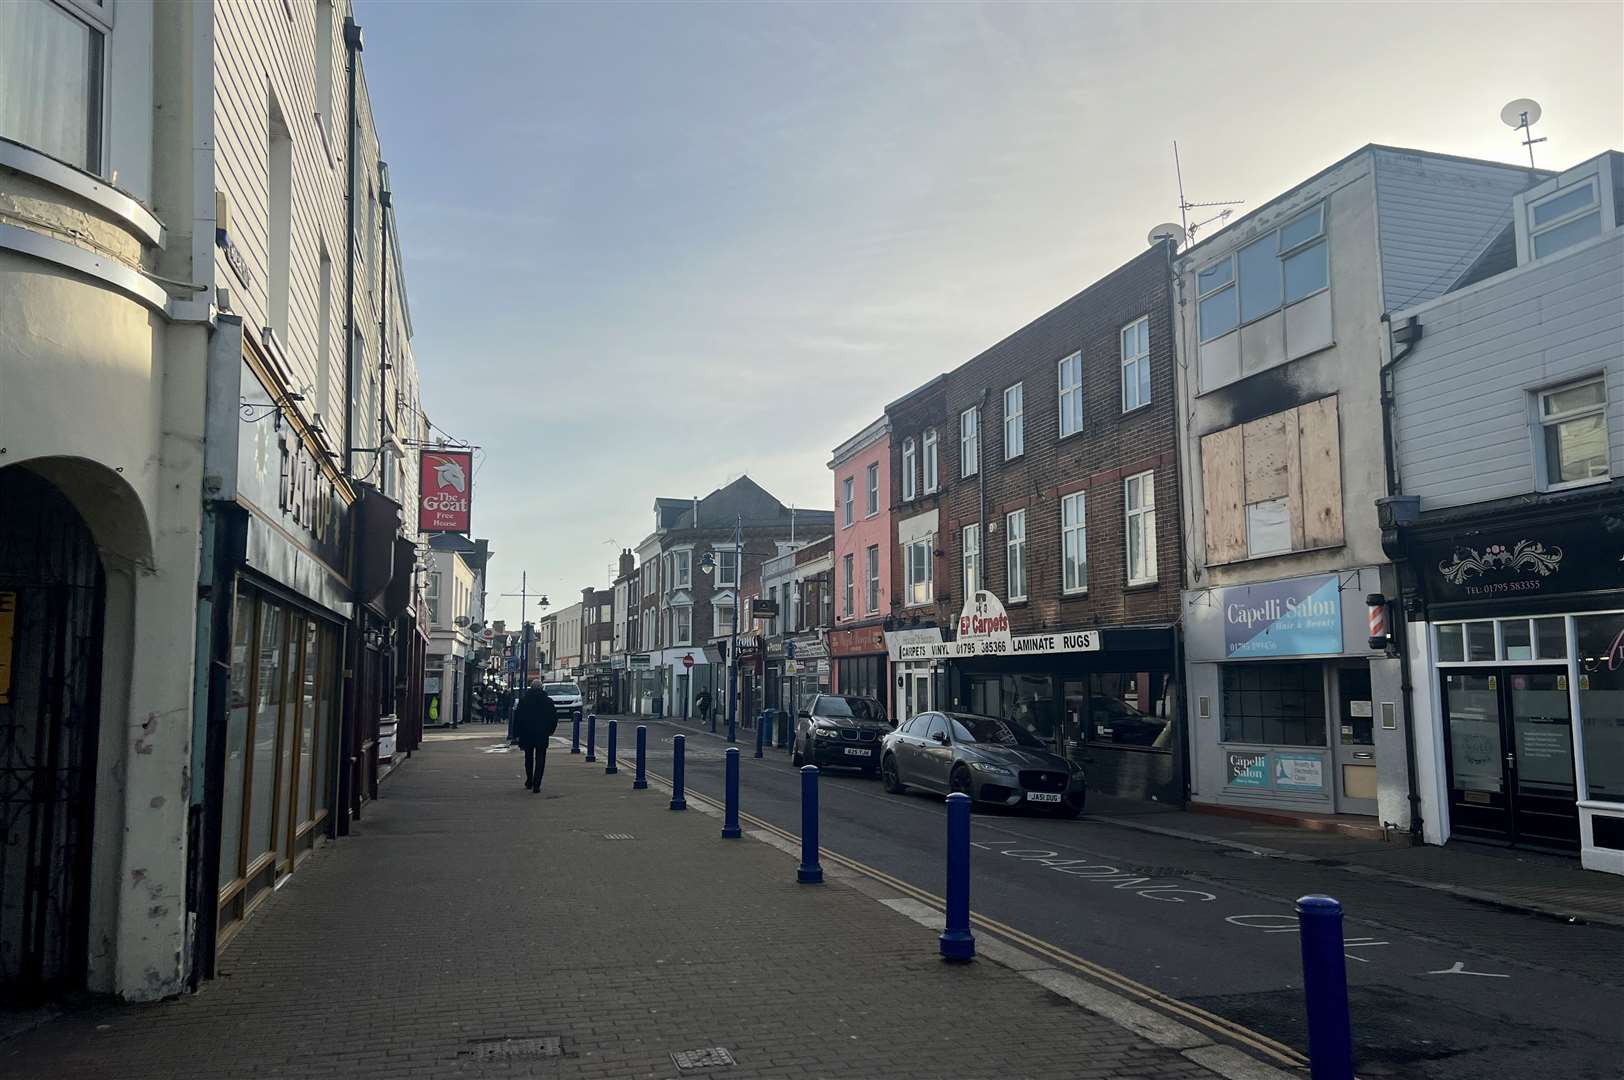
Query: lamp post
[708,564]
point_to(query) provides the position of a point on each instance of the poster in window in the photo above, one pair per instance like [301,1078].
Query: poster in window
[1249,768]
[1299,772]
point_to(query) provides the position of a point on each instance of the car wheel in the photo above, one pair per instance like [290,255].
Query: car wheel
[1068,811]
[890,777]
[960,783]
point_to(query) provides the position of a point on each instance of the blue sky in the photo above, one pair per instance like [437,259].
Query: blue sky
[652,246]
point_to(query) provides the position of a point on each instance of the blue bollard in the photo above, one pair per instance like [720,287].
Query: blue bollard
[610,768]
[957,943]
[640,777]
[575,734]
[761,731]
[592,736]
[730,819]
[679,769]
[809,872]
[781,740]
[1325,986]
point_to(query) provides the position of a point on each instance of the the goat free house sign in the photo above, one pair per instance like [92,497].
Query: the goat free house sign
[446,491]
[1297,617]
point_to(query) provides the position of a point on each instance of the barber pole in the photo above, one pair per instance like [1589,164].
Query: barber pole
[1379,638]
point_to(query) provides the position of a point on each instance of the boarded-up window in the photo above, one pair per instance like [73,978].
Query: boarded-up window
[1274,485]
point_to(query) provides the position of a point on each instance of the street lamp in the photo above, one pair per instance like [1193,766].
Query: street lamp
[708,565]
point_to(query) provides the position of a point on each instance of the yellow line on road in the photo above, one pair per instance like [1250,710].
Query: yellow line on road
[1220,1025]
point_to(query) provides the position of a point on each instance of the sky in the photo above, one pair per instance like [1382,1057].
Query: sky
[651,247]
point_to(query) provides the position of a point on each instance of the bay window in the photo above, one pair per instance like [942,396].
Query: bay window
[51,67]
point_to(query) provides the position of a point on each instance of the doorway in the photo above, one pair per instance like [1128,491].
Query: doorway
[1509,741]
[1355,741]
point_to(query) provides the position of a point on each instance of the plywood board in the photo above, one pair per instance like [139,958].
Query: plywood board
[1223,493]
[1263,452]
[1294,480]
[1320,441]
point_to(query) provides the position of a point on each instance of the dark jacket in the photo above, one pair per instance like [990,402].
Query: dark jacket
[535,718]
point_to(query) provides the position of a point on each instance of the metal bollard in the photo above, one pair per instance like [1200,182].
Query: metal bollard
[1325,986]
[610,768]
[592,736]
[640,777]
[679,769]
[730,818]
[809,872]
[733,725]
[761,730]
[957,943]
[780,730]
[575,734]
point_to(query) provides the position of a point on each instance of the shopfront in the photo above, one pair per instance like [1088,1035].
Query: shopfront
[1524,651]
[918,674]
[807,670]
[859,664]
[1291,708]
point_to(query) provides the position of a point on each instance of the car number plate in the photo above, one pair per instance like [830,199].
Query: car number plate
[1042,796]
[854,751]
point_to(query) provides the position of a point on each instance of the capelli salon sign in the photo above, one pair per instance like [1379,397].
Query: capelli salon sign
[1561,558]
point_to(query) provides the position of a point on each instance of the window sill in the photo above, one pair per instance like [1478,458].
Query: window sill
[1573,485]
[1137,409]
[1068,435]
[1014,457]
[1141,586]
[1075,594]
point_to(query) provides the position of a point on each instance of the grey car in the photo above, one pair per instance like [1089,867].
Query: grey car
[993,761]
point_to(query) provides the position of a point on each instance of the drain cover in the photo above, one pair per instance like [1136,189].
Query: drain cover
[545,1046]
[618,836]
[709,1057]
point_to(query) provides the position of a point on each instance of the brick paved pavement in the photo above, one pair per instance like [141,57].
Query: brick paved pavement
[467,910]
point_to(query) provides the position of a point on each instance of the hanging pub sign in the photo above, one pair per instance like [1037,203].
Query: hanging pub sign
[445,491]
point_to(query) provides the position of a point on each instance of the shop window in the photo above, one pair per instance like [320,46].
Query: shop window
[1274,704]
[1120,709]
[1551,638]
[1025,700]
[1480,641]
[267,715]
[239,696]
[1519,640]
[1601,703]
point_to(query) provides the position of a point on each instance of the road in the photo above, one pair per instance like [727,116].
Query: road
[1441,988]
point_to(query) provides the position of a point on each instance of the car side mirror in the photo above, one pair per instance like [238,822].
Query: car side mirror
[939,737]
[804,715]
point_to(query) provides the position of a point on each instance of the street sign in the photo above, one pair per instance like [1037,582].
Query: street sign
[688,660]
[763,609]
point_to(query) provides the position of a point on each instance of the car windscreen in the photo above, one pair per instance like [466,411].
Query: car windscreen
[990,729]
[562,689]
[864,708]
[832,706]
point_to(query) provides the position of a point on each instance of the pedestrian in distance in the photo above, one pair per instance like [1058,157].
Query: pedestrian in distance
[702,705]
[534,721]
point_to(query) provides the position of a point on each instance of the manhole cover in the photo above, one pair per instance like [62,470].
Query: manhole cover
[711,1057]
[618,836]
[544,1046]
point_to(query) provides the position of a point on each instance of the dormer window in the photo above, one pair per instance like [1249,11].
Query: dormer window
[1570,216]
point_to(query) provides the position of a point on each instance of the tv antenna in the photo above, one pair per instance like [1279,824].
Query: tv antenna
[1522,115]
[1185,205]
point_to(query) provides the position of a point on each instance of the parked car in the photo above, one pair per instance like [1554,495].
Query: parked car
[993,761]
[829,733]
[566,698]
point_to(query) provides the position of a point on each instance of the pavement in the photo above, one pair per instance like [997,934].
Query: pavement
[471,928]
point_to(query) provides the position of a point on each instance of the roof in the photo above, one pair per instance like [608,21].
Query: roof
[860,441]
[747,502]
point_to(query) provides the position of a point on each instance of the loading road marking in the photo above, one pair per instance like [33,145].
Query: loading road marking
[1212,1022]
[1460,969]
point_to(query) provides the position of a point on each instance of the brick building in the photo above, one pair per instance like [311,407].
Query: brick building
[862,563]
[1040,480]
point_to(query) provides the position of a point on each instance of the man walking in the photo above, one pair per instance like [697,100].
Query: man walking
[534,721]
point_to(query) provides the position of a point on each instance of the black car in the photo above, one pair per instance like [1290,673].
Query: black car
[994,761]
[829,733]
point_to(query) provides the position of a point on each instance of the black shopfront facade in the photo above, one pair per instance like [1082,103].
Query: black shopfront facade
[1519,609]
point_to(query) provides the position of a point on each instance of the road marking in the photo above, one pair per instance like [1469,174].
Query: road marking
[1212,1021]
[1460,969]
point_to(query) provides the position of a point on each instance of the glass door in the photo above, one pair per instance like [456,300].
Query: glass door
[1355,742]
[1511,756]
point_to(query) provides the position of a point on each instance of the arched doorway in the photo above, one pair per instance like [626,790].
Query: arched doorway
[52,605]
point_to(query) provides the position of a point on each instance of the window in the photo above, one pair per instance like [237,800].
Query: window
[1573,433]
[279,175]
[1136,365]
[1074,543]
[1268,528]
[918,560]
[1015,551]
[324,336]
[727,569]
[1281,268]
[1570,216]
[969,442]
[1601,705]
[1014,423]
[682,562]
[51,80]
[324,67]
[874,579]
[972,559]
[682,625]
[1274,484]
[1519,639]
[873,489]
[847,498]
[850,586]
[1129,708]
[724,619]
[930,462]
[908,469]
[1071,394]
[1139,503]
[1274,704]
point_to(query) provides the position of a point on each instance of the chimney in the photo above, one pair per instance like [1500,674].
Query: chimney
[628,565]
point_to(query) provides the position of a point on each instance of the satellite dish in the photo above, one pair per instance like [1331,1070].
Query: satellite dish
[1513,115]
[1168,230]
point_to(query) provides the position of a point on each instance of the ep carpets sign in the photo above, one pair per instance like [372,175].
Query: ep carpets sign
[1299,617]
[445,491]
[983,618]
